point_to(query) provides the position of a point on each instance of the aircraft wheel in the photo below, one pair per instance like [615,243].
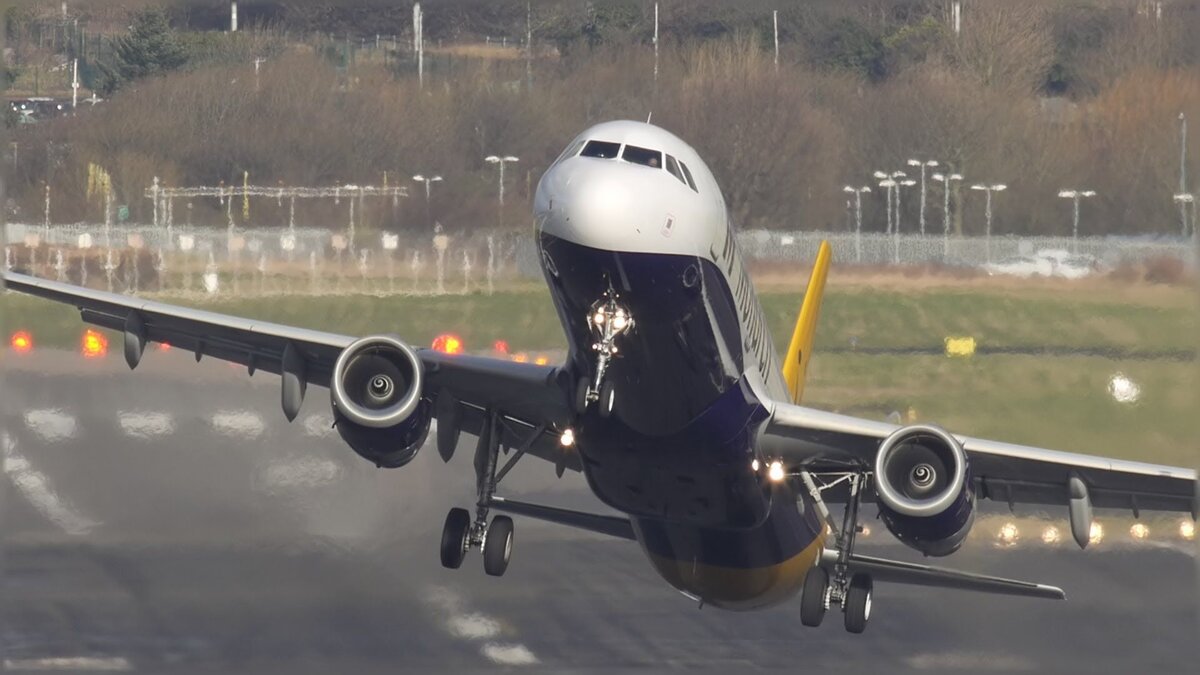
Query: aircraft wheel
[608,398]
[858,603]
[454,538]
[812,598]
[581,391]
[497,546]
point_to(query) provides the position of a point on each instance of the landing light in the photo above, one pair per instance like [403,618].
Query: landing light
[567,439]
[775,471]
[1096,533]
[21,342]
[1139,531]
[599,318]
[866,531]
[754,465]
[1187,530]
[1008,534]
[1051,535]
[94,344]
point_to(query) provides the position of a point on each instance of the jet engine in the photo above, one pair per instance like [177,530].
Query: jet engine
[378,409]
[924,489]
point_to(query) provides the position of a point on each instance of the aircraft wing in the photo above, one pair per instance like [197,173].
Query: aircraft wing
[531,397]
[817,441]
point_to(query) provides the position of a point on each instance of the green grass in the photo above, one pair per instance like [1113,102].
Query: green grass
[1059,402]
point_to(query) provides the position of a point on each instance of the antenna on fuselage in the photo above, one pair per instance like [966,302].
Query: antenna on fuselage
[649,116]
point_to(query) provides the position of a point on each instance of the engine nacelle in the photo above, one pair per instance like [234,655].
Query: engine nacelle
[923,485]
[376,390]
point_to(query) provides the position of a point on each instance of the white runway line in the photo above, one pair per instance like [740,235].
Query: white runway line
[146,425]
[70,663]
[51,424]
[36,488]
[465,624]
[239,423]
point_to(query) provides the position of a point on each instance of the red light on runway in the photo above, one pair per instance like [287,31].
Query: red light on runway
[448,343]
[500,346]
[94,344]
[21,342]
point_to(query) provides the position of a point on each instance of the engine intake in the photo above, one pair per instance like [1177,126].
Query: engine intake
[376,391]
[922,480]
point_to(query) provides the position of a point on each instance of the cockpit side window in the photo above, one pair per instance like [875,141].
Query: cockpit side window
[571,151]
[644,156]
[688,174]
[673,167]
[600,149]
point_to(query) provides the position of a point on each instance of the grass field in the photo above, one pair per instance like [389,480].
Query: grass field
[1057,401]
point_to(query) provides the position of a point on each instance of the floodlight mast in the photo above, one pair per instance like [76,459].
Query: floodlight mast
[1075,195]
[890,181]
[858,192]
[1185,198]
[989,189]
[428,181]
[924,165]
[501,161]
[946,180]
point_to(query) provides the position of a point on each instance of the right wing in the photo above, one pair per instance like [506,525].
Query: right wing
[532,398]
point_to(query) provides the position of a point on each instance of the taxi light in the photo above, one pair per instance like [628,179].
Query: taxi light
[865,531]
[21,342]
[94,345]
[599,318]
[500,347]
[1139,531]
[1187,530]
[1096,533]
[448,343]
[775,471]
[567,439]
[754,465]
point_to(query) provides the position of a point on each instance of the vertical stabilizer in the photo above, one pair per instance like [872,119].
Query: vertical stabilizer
[795,363]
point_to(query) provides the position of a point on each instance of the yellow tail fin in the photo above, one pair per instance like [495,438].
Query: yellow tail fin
[800,349]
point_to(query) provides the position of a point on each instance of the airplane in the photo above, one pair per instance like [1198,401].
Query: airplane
[672,402]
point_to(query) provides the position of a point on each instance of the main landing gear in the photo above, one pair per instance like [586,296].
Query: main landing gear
[851,592]
[460,533]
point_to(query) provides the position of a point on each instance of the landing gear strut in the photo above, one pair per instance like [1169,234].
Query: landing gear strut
[821,588]
[460,533]
[608,319]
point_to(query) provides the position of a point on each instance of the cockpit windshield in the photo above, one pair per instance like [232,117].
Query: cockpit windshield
[643,156]
[600,149]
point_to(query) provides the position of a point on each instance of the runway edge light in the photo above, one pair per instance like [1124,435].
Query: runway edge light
[21,342]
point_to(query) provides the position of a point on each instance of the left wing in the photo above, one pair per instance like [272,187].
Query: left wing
[532,398]
[827,442]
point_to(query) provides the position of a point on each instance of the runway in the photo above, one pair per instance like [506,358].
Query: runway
[171,520]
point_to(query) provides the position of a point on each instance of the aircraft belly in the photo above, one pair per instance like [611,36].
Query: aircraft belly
[736,569]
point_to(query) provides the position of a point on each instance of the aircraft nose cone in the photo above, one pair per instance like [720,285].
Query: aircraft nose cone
[596,203]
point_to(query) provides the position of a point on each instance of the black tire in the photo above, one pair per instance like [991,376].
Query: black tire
[454,538]
[858,603]
[581,390]
[497,546]
[812,598]
[608,399]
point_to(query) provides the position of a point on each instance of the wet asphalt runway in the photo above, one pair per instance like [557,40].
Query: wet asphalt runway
[172,521]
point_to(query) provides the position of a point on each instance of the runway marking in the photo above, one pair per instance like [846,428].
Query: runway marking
[968,661]
[239,423]
[463,623]
[319,426]
[75,663]
[146,425]
[36,488]
[51,424]
[305,472]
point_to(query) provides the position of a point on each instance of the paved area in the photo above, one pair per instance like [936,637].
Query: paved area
[170,520]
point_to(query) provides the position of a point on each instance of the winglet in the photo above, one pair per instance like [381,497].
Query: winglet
[800,349]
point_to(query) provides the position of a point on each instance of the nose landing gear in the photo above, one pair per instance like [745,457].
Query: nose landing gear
[608,319]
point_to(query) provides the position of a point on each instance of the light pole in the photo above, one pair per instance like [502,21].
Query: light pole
[907,182]
[1075,195]
[501,161]
[889,181]
[924,165]
[420,178]
[1185,198]
[858,192]
[989,189]
[945,179]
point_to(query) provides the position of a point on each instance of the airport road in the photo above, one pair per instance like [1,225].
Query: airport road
[172,521]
